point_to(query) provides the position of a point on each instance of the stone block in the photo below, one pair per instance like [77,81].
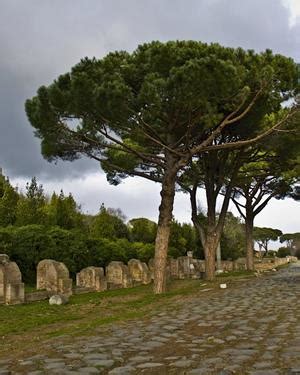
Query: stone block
[118,276]
[13,273]
[174,268]
[227,265]
[36,296]
[58,299]
[11,286]
[65,286]
[197,268]
[92,278]
[139,272]
[4,258]
[184,267]
[239,264]
[151,267]
[2,282]
[199,265]
[54,277]
[15,294]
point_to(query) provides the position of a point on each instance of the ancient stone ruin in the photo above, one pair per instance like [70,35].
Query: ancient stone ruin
[227,265]
[11,286]
[186,267]
[53,277]
[151,268]
[139,272]
[118,276]
[239,264]
[92,278]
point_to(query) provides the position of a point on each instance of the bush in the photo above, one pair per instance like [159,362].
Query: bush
[282,252]
[28,245]
[144,251]
[6,240]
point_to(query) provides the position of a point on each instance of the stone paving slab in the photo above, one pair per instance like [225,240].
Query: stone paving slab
[252,328]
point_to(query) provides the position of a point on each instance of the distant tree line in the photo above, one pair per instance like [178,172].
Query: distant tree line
[34,226]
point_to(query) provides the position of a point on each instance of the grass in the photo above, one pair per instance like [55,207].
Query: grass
[235,274]
[38,321]
[114,304]
[30,288]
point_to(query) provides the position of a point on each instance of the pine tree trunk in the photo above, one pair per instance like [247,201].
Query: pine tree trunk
[249,243]
[163,230]
[210,256]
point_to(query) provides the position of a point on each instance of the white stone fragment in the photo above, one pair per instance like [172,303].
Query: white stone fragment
[58,299]
[223,286]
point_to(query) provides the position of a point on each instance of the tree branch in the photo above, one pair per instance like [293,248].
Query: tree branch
[228,120]
[239,144]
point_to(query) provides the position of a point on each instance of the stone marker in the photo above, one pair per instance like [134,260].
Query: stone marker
[198,268]
[184,267]
[174,268]
[227,265]
[92,278]
[151,267]
[11,286]
[239,264]
[139,272]
[54,277]
[4,258]
[58,299]
[117,276]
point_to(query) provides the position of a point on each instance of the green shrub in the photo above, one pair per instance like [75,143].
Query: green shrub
[283,252]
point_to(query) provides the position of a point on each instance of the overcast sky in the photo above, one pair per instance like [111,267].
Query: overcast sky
[40,39]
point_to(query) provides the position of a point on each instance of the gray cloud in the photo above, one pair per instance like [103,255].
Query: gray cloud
[41,39]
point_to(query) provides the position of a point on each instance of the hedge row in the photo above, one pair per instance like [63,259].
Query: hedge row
[29,244]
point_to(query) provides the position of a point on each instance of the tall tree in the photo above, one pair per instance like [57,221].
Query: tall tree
[150,112]
[290,238]
[107,225]
[215,172]
[142,230]
[264,235]
[30,208]
[63,211]
[271,173]
[232,240]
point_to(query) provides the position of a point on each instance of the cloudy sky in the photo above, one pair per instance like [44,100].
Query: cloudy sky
[40,39]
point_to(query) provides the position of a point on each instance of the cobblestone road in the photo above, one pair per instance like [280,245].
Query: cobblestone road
[251,328]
